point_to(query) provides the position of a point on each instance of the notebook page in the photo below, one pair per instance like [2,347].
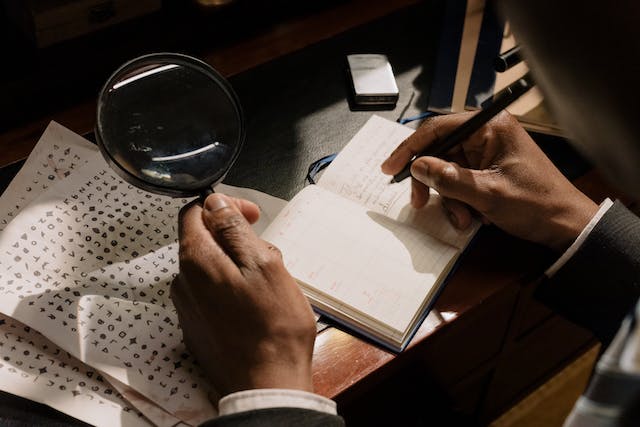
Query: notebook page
[356,174]
[373,264]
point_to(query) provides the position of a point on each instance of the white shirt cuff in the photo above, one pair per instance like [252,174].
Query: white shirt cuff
[566,256]
[249,400]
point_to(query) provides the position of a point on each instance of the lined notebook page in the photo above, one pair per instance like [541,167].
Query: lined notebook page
[371,263]
[356,174]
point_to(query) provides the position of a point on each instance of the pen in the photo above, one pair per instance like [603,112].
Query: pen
[507,60]
[462,132]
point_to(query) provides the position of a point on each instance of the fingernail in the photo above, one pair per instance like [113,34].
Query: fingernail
[453,219]
[216,202]
[383,167]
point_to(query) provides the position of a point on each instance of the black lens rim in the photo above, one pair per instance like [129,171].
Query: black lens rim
[170,58]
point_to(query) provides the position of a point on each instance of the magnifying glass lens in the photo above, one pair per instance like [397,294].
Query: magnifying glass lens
[169,124]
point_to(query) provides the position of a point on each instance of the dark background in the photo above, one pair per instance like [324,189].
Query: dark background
[295,106]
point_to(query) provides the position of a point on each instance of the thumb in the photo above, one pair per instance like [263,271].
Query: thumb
[452,181]
[230,229]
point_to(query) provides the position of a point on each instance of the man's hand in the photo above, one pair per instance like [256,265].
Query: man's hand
[242,314]
[500,173]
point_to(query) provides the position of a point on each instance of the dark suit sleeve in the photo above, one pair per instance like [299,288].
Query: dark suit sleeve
[600,284]
[277,417]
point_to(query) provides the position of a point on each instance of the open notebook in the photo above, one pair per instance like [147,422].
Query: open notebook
[360,252]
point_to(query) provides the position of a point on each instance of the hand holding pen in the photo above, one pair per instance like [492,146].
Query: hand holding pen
[498,174]
[502,100]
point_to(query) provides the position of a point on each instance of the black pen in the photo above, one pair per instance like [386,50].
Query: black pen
[507,60]
[462,132]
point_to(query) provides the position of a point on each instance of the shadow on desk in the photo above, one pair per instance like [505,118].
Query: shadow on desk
[18,412]
[297,109]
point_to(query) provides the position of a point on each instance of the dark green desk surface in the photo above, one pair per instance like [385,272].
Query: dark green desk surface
[297,109]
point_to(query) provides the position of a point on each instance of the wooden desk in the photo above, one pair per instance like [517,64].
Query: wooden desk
[487,342]
[486,345]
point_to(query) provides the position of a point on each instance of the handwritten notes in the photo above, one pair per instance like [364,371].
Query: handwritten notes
[360,251]
[355,174]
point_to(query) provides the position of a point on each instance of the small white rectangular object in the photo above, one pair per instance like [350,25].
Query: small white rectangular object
[373,79]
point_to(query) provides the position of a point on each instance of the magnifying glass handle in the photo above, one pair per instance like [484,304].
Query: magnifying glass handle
[205,193]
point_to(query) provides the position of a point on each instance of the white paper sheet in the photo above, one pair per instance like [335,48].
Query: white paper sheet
[356,175]
[67,384]
[33,367]
[153,412]
[77,263]
[378,268]
[56,155]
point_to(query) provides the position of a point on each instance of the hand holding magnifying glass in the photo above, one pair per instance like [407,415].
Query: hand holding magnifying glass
[170,124]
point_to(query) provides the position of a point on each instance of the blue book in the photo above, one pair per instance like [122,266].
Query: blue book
[446,63]
[485,45]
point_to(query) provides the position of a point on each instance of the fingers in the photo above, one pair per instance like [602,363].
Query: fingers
[249,210]
[187,312]
[459,213]
[432,129]
[419,194]
[473,187]
[231,230]
[218,237]
[198,247]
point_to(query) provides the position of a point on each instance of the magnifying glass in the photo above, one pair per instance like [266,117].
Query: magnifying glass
[169,124]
